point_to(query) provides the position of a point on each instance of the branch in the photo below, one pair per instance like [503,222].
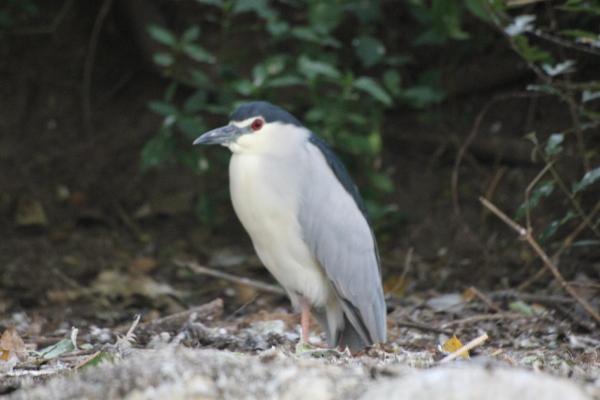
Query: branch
[199,269]
[527,236]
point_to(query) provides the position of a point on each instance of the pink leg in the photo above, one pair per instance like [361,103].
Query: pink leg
[305,319]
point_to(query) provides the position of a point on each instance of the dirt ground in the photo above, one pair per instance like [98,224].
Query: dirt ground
[113,243]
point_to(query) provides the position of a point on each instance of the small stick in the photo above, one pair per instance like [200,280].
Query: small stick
[88,359]
[200,269]
[525,234]
[469,346]
[488,302]
[528,190]
[174,321]
[422,327]
[483,317]
[564,245]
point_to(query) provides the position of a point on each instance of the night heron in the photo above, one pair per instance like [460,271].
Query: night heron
[307,222]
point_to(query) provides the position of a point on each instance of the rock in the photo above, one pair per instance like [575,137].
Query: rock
[475,383]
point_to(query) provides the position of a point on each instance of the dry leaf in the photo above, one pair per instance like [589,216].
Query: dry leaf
[11,344]
[395,286]
[30,213]
[143,264]
[453,344]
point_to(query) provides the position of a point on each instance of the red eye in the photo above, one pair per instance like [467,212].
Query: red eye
[257,124]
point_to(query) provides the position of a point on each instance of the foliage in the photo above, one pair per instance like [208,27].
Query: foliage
[330,63]
[541,41]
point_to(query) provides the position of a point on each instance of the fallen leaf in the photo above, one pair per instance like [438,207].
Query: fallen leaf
[453,344]
[143,264]
[11,345]
[30,213]
[529,310]
[55,350]
[395,286]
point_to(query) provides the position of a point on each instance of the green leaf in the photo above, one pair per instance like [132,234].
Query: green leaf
[369,50]
[162,35]
[392,81]
[243,87]
[313,68]
[588,7]
[215,3]
[382,182]
[158,150]
[581,35]
[326,15]
[191,127]
[57,349]
[163,108]
[285,80]
[479,9]
[308,34]
[163,59]
[421,96]
[99,358]
[197,53]
[191,34]
[589,178]
[544,189]
[277,27]
[553,146]
[530,52]
[554,225]
[199,79]
[195,102]
[259,7]
[259,75]
[370,86]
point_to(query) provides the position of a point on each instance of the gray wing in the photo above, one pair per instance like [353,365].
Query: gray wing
[335,227]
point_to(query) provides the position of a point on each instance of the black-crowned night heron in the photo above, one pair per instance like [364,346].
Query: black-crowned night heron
[307,222]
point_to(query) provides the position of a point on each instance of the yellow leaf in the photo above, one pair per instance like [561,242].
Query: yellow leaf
[453,344]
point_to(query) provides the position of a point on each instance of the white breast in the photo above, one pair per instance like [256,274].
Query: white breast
[265,193]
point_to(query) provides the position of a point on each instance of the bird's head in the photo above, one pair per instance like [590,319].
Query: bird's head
[258,127]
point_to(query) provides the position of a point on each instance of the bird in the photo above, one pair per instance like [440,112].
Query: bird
[307,222]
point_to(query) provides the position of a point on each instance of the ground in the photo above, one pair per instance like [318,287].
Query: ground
[109,243]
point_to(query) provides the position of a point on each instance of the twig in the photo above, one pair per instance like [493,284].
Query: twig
[474,131]
[174,322]
[469,346]
[422,327]
[407,264]
[526,235]
[574,202]
[49,28]
[485,299]
[88,360]
[528,190]
[537,298]
[89,65]
[129,223]
[200,269]
[564,246]
[483,317]
[489,193]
